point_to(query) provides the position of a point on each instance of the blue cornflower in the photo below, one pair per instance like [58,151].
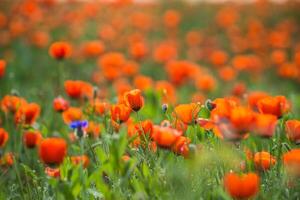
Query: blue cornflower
[78,124]
[78,127]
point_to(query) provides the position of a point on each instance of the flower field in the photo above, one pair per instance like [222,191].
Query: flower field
[162,100]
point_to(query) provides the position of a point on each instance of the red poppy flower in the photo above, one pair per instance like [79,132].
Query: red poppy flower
[3,137]
[60,50]
[78,89]
[60,104]
[27,114]
[53,150]
[11,103]
[32,138]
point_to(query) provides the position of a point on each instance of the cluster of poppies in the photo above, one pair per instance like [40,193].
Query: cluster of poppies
[136,74]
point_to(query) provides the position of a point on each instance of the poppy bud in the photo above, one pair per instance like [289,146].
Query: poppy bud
[209,104]
[164,107]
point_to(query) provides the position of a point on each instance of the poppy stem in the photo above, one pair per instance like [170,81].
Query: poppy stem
[60,76]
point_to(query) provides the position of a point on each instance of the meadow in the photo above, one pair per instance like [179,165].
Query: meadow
[164,100]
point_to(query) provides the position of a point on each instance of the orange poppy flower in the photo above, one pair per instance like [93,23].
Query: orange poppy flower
[72,114]
[222,108]
[206,83]
[292,129]
[172,18]
[142,82]
[291,161]
[53,150]
[93,48]
[78,89]
[134,99]
[239,89]
[165,136]
[111,65]
[205,123]
[278,57]
[122,86]
[181,71]
[93,129]
[264,125]
[241,186]
[7,159]
[60,104]
[167,91]
[138,50]
[181,146]
[227,73]
[179,125]
[145,127]
[84,160]
[27,114]
[218,58]
[2,67]
[141,20]
[11,103]
[227,17]
[3,20]
[3,137]
[120,113]
[264,160]
[40,39]
[165,52]
[130,68]
[254,97]
[288,70]
[52,172]
[187,112]
[31,139]
[99,107]
[277,106]
[193,38]
[241,118]
[60,50]
[125,158]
